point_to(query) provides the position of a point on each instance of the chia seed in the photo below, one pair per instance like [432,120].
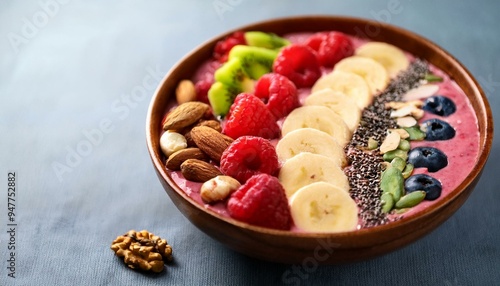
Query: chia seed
[365,166]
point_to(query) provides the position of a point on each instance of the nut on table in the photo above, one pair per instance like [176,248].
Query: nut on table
[142,250]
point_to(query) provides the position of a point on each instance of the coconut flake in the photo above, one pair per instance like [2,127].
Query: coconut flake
[422,91]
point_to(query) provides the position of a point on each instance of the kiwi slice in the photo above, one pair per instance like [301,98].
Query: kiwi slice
[232,73]
[230,80]
[221,96]
[245,65]
[265,40]
[256,61]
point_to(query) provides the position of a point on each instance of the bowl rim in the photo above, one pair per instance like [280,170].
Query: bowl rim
[484,144]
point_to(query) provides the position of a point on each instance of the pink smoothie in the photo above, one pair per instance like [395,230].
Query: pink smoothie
[462,150]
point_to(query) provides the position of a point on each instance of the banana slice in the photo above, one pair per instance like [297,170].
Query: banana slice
[323,207]
[371,71]
[391,57]
[348,83]
[317,117]
[339,103]
[312,141]
[307,168]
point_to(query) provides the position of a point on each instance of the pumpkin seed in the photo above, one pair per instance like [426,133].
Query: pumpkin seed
[404,145]
[387,202]
[389,156]
[399,163]
[408,170]
[392,182]
[410,200]
[415,132]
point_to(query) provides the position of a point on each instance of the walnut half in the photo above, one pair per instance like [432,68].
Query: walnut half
[142,250]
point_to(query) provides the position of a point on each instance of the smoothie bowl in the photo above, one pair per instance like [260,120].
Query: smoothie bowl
[314,137]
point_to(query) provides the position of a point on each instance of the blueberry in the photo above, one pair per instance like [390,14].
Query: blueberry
[439,105]
[426,183]
[436,129]
[428,157]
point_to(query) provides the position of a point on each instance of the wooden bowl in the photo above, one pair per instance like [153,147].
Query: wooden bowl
[290,247]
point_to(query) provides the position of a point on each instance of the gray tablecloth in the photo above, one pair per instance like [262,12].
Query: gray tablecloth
[76,78]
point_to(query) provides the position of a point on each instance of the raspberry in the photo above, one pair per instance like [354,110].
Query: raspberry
[261,201]
[202,88]
[205,81]
[299,64]
[279,92]
[223,47]
[247,156]
[330,47]
[248,115]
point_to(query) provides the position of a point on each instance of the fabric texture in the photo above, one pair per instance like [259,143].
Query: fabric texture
[76,78]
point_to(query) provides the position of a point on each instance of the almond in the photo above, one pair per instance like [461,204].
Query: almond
[185,114]
[199,171]
[185,91]
[210,141]
[176,159]
[214,124]
[189,140]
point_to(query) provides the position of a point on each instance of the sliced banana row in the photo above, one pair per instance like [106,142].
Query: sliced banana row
[312,149]
[314,137]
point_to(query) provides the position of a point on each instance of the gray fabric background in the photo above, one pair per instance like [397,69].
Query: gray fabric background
[74,71]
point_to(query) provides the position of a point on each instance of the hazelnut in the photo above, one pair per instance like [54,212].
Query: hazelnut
[171,142]
[218,188]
